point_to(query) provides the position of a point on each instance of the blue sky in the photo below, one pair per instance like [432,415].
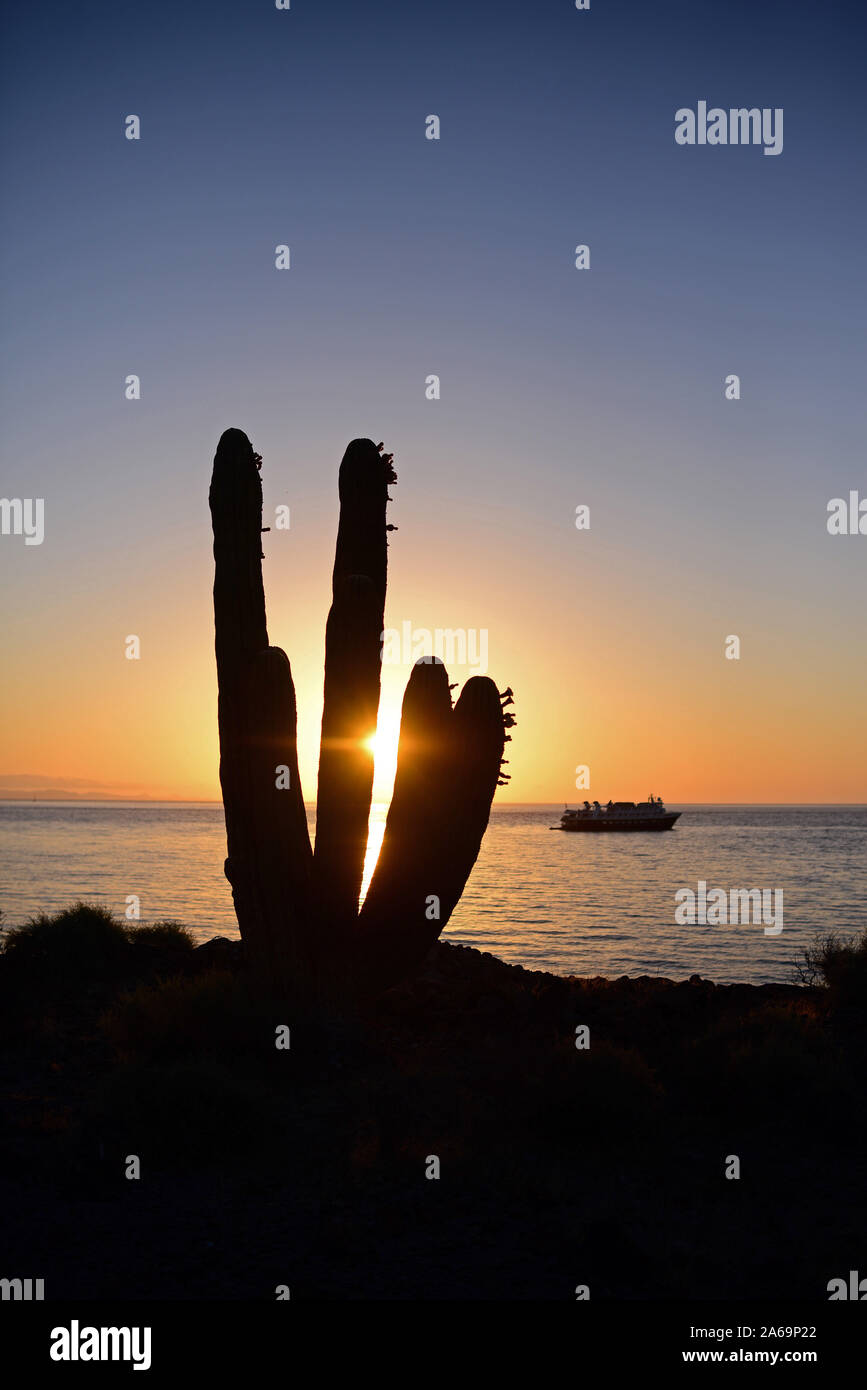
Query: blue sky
[454,257]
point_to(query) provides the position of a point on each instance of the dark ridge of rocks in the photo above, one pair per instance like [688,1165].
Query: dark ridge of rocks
[219,953]
[454,969]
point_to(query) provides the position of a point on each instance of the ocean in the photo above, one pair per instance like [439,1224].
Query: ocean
[573,904]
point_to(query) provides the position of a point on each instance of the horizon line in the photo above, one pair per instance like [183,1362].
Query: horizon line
[27,799]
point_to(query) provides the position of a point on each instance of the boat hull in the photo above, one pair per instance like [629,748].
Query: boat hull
[607,824]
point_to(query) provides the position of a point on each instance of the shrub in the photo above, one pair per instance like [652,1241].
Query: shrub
[840,963]
[163,948]
[82,945]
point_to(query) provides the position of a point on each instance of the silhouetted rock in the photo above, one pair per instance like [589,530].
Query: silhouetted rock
[221,953]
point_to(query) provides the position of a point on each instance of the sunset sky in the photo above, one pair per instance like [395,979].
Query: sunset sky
[559,387]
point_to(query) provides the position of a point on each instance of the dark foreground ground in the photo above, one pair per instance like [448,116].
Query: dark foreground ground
[307,1167]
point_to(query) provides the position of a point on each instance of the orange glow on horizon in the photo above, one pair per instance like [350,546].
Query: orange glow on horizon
[608,671]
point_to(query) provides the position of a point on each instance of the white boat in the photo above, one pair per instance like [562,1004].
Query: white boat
[619,815]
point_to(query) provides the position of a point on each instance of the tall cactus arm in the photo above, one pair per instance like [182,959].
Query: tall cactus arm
[363,482]
[394,916]
[448,768]
[269,855]
[467,787]
[239,597]
[352,674]
[352,684]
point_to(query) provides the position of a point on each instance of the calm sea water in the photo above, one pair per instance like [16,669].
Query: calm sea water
[573,904]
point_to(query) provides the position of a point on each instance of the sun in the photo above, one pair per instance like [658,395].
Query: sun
[382,745]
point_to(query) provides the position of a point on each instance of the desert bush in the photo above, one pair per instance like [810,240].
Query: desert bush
[840,964]
[81,945]
[162,948]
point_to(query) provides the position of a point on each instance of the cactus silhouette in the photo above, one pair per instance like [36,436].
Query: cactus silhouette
[298,909]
